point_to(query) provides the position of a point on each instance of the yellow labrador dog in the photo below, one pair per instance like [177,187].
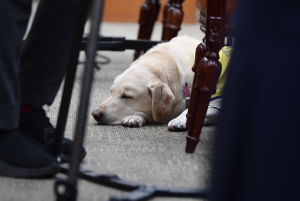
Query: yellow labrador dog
[154,88]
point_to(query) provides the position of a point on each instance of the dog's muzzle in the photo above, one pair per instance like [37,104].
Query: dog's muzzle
[97,114]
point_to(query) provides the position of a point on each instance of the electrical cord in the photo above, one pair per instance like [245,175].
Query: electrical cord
[106,60]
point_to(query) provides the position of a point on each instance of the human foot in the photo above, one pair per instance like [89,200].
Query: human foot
[20,158]
[37,127]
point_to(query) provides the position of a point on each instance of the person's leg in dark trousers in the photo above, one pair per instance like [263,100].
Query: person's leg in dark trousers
[14,16]
[257,149]
[18,157]
[43,65]
[46,51]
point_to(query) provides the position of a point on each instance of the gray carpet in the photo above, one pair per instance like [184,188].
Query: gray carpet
[149,155]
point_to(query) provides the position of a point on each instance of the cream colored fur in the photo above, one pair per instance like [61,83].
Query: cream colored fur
[151,89]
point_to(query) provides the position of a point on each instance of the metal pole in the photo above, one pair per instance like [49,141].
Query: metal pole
[86,89]
[56,147]
[70,185]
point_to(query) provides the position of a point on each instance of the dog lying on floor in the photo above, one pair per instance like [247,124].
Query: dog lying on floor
[152,89]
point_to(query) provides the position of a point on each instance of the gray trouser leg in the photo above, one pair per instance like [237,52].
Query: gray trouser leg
[14,16]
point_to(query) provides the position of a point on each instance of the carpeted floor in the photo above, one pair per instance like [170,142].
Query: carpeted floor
[149,155]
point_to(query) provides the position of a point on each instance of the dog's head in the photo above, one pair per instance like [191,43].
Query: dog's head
[136,92]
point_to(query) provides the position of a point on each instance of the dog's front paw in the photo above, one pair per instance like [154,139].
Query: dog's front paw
[134,121]
[179,123]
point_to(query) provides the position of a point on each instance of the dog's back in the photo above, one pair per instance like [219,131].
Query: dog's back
[171,57]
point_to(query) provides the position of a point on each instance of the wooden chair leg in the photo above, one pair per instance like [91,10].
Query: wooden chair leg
[165,14]
[209,70]
[173,16]
[148,15]
[200,53]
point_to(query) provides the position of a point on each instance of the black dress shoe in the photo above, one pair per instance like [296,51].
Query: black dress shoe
[19,158]
[36,126]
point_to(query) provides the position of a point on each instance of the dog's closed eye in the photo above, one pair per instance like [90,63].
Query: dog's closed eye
[124,96]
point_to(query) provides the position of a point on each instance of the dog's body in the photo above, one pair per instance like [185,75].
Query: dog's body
[151,89]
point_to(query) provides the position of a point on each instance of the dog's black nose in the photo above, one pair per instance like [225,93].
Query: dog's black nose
[97,114]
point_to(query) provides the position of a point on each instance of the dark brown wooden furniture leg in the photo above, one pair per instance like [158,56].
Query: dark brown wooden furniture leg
[207,72]
[200,53]
[148,15]
[165,14]
[173,16]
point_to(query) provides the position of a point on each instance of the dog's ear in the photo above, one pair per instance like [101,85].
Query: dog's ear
[162,99]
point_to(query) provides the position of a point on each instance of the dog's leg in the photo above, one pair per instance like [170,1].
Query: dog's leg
[134,121]
[211,118]
[179,123]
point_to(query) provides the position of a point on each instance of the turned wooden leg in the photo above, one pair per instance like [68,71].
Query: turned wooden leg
[200,53]
[148,15]
[209,70]
[165,14]
[173,16]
